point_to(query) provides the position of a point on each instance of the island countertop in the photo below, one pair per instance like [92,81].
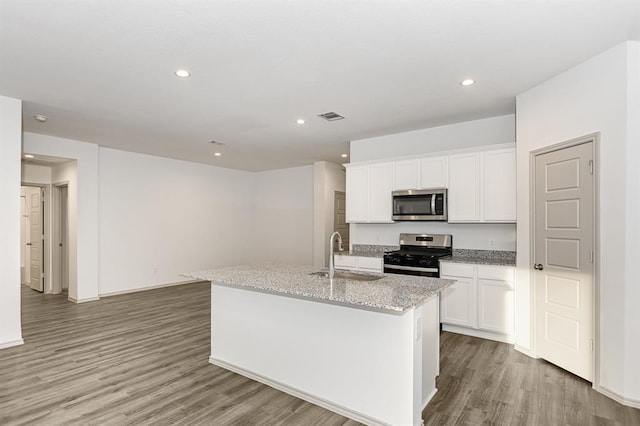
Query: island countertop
[393,293]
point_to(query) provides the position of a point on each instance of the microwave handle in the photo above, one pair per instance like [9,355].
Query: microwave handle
[433,204]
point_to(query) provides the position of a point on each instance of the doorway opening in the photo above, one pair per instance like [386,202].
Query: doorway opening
[34,248]
[564,245]
[60,238]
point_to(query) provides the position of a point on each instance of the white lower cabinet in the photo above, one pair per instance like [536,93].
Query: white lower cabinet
[481,302]
[358,263]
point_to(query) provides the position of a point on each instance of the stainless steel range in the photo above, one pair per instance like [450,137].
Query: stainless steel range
[418,254]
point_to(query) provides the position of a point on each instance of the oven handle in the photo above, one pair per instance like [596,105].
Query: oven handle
[410,268]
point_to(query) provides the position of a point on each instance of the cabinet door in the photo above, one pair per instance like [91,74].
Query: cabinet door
[495,306]
[464,187]
[458,303]
[370,264]
[357,189]
[434,172]
[406,174]
[380,187]
[345,262]
[499,182]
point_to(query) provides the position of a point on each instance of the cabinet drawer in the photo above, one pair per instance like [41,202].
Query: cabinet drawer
[370,263]
[502,273]
[456,269]
[342,261]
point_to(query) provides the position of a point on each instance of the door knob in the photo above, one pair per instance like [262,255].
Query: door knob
[538,266]
[28,244]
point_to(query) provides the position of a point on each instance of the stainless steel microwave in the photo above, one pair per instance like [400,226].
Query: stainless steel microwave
[420,204]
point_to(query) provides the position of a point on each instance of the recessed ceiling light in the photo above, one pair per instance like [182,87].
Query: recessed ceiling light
[344,156]
[40,117]
[467,82]
[29,156]
[183,73]
[300,121]
[217,154]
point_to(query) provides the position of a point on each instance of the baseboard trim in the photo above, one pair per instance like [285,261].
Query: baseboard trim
[88,299]
[11,344]
[504,338]
[336,408]
[153,287]
[630,402]
[429,398]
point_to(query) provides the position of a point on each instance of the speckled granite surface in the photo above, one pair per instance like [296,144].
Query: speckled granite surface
[393,293]
[369,250]
[482,257]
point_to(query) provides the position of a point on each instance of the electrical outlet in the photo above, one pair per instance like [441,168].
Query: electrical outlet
[155,271]
[492,243]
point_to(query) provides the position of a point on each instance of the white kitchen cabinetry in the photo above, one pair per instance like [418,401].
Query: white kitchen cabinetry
[434,172]
[458,302]
[482,186]
[369,193]
[481,303]
[499,183]
[358,263]
[423,173]
[464,187]
[406,174]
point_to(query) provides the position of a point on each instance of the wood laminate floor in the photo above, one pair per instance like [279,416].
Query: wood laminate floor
[141,359]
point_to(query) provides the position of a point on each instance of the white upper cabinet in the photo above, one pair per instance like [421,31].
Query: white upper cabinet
[464,187]
[406,174]
[434,172]
[369,193]
[499,200]
[380,188]
[482,186]
[357,190]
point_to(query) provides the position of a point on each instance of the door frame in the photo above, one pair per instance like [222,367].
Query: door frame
[594,138]
[46,229]
[56,264]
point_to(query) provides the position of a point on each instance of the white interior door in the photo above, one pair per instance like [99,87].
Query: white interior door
[564,270]
[36,240]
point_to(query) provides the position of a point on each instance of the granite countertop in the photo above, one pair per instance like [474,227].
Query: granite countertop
[482,257]
[367,250]
[393,293]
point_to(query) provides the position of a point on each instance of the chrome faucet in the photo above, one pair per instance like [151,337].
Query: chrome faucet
[332,270]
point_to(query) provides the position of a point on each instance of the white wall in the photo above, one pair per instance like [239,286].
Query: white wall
[10,152]
[489,131]
[327,179]
[36,174]
[160,217]
[86,154]
[599,95]
[283,216]
[67,173]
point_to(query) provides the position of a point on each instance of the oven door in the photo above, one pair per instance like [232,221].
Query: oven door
[411,270]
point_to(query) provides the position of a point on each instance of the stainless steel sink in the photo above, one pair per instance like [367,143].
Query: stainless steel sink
[348,275]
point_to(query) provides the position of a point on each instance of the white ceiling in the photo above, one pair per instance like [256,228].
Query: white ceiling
[102,70]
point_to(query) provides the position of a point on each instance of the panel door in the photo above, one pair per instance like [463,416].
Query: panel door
[434,172]
[36,236]
[380,188]
[495,306]
[458,303]
[564,241]
[357,185]
[406,174]
[464,187]
[499,184]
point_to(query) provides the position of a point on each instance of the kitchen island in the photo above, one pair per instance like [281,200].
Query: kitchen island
[366,349]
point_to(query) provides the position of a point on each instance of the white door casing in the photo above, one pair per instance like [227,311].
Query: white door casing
[563,241]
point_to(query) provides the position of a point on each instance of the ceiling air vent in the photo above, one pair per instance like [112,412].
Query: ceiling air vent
[331,116]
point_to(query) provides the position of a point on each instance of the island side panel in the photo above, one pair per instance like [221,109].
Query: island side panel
[357,362]
[430,341]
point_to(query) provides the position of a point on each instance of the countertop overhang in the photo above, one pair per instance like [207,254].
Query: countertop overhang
[392,293]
